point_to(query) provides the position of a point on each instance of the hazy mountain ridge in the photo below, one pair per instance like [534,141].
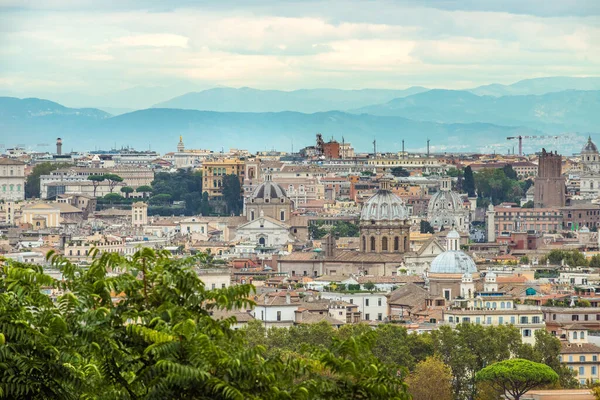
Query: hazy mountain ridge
[160,129]
[555,112]
[303,100]
[538,86]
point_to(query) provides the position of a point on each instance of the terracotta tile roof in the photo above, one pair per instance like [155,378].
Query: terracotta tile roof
[578,348]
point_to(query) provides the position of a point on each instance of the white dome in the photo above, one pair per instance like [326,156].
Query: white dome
[453,234]
[384,206]
[453,262]
[590,147]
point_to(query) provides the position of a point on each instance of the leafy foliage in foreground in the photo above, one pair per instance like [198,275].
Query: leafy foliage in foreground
[147,333]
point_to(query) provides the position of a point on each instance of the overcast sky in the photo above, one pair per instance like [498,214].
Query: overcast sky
[99,46]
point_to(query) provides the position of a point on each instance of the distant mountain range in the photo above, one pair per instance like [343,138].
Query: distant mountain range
[569,110]
[189,95]
[305,100]
[539,86]
[39,121]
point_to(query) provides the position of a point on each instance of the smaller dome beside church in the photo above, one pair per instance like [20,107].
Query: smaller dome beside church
[590,147]
[453,262]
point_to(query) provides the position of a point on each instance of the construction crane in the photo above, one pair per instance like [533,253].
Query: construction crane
[529,137]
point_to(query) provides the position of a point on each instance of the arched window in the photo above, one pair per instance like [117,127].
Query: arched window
[384,244]
[487,304]
[582,335]
[252,215]
[364,243]
[396,243]
[372,243]
[262,241]
[502,304]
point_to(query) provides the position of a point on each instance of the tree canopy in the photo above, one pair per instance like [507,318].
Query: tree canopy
[400,172]
[517,376]
[147,333]
[32,185]
[232,194]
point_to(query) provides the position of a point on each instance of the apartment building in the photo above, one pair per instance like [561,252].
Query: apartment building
[213,172]
[526,320]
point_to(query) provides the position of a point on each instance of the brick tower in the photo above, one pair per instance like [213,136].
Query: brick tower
[549,187]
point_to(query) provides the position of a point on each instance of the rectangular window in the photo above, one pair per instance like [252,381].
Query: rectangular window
[574,317]
[585,317]
[570,359]
[535,320]
[477,320]
[222,286]
[367,317]
[500,320]
[367,302]
[379,302]
[379,317]
[582,371]
[594,370]
[581,358]
[594,358]
[489,320]
[524,320]
[214,286]
[278,315]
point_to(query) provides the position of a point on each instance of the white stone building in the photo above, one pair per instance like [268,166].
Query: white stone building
[12,179]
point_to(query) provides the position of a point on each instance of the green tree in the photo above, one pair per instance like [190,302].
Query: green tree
[425,227]
[127,190]
[112,179]
[524,260]
[595,261]
[400,172]
[517,376]
[205,205]
[144,190]
[32,185]
[528,204]
[160,199]
[493,183]
[367,173]
[370,286]
[509,172]
[453,172]
[469,181]
[96,179]
[232,194]
[430,380]
[113,198]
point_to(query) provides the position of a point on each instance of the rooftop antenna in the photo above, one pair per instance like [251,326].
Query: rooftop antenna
[402,148]
[374,148]
[427,148]
[343,155]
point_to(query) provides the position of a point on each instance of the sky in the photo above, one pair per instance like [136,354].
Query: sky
[97,47]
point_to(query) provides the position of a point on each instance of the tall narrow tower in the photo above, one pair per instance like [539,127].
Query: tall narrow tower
[549,186]
[180,146]
[490,216]
[58,146]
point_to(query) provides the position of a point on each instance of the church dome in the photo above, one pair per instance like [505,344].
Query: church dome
[384,206]
[445,200]
[268,190]
[589,147]
[453,262]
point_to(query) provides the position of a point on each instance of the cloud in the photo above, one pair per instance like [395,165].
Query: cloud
[109,46]
[154,40]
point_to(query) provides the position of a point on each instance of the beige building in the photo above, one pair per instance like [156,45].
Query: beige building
[139,214]
[12,179]
[580,355]
[527,321]
[213,172]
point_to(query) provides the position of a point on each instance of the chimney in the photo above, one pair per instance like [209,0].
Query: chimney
[58,146]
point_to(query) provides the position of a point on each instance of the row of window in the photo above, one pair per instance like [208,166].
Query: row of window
[488,320]
[384,243]
[581,359]
[11,188]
